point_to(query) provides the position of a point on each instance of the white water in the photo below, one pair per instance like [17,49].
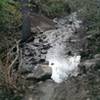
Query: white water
[62,68]
[62,65]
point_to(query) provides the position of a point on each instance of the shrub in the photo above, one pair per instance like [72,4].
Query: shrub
[53,8]
[9,15]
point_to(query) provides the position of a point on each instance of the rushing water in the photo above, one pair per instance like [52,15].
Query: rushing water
[62,64]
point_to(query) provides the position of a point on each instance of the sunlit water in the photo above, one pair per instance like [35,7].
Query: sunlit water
[62,65]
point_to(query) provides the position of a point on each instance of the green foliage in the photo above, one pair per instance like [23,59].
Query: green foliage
[53,7]
[9,15]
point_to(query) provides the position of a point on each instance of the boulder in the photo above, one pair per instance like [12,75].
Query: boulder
[88,65]
[40,73]
[97,56]
[40,23]
[25,67]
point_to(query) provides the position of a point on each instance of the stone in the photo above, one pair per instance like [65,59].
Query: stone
[26,67]
[36,40]
[43,51]
[41,23]
[42,59]
[46,69]
[27,53]
[39,72]
[46,46]
[97,56]
[87,65]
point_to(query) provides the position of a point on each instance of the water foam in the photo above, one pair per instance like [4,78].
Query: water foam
[62,68]
[62,65]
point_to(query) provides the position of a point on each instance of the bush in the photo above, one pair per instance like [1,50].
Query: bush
[53,8]
[9,15]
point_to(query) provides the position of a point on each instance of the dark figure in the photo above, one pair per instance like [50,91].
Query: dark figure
[26,28]
[68,9]
[26,21]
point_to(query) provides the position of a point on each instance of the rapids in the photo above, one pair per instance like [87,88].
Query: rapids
[61,63]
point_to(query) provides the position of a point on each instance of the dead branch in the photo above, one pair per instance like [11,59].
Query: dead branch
[16,58]
[17,42]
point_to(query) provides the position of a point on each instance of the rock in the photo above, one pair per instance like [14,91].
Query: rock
[26,67]
[92,64]
[70,90]
[46,46]
[97,56]
[37,59]
[46,69]
[40,23]
[37,44]
[41,71]
[44,51]
[36,41]
[42,59]
[42,38]
[27,53]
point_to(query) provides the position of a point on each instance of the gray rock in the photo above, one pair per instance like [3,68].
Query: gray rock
[39,72]
[97,56]
[43,51]
[92,64]
[36,41]
[43,56]
[46,46]
[26,67]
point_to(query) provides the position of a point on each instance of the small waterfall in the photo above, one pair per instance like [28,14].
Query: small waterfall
[61,63]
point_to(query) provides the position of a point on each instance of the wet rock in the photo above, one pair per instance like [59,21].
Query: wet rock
[37,59]
[42,59]
[42,38]
[46,46]
[44,51]
[40,73]
[36,41]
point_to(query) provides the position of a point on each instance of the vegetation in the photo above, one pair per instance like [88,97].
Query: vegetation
[53,8]
[89,12]
[9,15]
[10,21]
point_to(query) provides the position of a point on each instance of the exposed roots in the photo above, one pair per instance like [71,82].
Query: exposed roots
[10,74]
